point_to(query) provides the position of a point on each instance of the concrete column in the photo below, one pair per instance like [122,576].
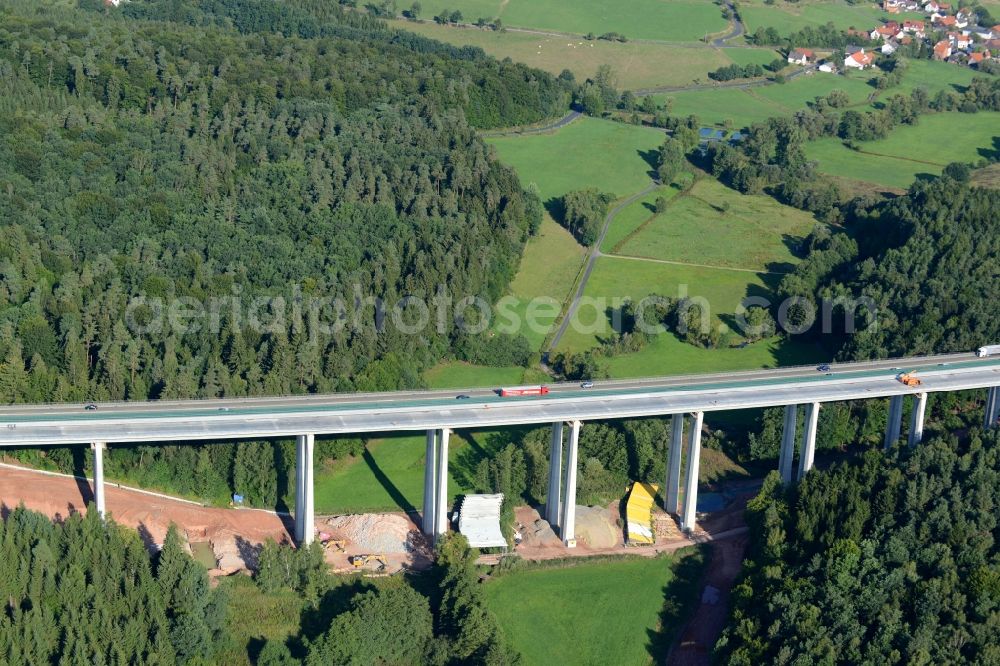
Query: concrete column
[992,407]
[430,485]
[568,523]
[672,489]
[691,488]
[305,517]
[98,449]
[788,443]
[808,452]
[553,498]
[895,424]
[441,504]
[917,418]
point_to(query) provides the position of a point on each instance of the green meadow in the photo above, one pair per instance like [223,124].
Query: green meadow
[635,64]
[715,225]
[620,611]
[677,20]
[911,150]
[613,157]
[788,17]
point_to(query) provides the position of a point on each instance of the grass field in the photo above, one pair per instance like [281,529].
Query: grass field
[607,612]
[618,278]
[676,20]
[253,616]
[635,215]
[668,355]
[910,150]
[390,475]
[715,225]
[788,17]
[613,157]
[743,107]
[548,270]
[933,76]
[455,374]
[636,65]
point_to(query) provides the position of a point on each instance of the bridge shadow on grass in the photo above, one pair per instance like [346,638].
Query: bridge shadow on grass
[680,599]
[394,492]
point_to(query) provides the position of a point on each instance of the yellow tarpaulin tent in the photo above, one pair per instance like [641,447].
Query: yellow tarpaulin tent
[639,512]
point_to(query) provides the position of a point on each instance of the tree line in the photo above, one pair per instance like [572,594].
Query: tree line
[882,558]
[86,590]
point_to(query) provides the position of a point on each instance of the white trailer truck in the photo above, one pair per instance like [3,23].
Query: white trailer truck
[988,350]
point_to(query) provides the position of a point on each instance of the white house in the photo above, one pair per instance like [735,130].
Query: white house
[827,66]
[859,60]
[889,48]
[801,56]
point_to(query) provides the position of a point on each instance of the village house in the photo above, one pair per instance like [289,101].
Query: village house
[827,67]
[942,50]
[801,56]
[885,32]
[915,28]
[859,60]
[944,21]
[958,40]
[889,47]
[978,57]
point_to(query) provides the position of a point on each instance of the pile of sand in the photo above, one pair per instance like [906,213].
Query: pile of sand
[375,532]
[596,526]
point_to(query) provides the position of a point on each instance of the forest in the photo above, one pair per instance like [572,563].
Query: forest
[880,559]
[245,161]
[86,591]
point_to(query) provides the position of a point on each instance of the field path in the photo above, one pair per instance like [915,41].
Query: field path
[737,29]
[595,253]
[535,129]
[693,265]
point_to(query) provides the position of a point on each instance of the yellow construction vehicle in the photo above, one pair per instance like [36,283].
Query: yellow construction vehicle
[359,561]
[909,379]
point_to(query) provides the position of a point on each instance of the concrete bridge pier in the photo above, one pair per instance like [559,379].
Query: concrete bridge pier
[434,521]
[808,452]
[567,526]
[895,422]
[98,449]
[430,484]
[305,516]
[671,490]
[553,498]
[788,443]
[917,419]
[992,408]
[689,514]
[441,483]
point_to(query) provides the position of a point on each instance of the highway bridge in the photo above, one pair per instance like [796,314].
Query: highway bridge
[685,398]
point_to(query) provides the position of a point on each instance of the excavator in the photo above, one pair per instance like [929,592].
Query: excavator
[909,379]
[359,561]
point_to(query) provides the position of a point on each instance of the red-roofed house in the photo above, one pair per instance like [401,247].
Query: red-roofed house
[884,32]
[915,28]
[801,56]
[942,50]
[945,22]
[978,57]
[958,40]
[859,60]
